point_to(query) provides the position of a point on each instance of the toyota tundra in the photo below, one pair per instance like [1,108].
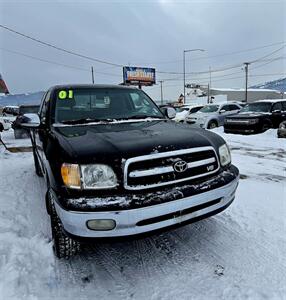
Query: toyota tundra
[116,166]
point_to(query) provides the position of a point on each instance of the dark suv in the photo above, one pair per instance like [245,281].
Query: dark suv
[116,166]
[257,117]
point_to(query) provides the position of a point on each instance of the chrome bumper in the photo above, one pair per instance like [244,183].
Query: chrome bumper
[129,222]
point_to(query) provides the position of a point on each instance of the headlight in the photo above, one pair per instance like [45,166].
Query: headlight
[224,155]
[282,126]
[97,176]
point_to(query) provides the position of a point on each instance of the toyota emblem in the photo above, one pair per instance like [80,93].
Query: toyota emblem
[180,166]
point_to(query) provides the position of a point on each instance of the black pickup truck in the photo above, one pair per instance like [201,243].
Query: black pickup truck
[116,166]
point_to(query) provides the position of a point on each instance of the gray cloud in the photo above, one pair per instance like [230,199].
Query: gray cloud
[145,33]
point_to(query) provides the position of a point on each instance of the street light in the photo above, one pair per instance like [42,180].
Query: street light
[184,68]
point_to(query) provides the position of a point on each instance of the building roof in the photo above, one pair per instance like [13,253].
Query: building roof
[243,90]
[271,100]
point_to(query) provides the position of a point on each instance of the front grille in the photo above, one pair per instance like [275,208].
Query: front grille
[149,171]
[236,121]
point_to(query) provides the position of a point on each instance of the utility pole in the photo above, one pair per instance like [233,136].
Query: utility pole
[92,75]
[209,86]
[184,71]
[161,84]
[184,68]
[208,93]
[246,79]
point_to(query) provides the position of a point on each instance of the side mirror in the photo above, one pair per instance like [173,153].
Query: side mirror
[222,111]
[31,121]
[170,112]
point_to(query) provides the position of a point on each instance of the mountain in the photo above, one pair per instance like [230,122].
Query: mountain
[18,99]
[279,85]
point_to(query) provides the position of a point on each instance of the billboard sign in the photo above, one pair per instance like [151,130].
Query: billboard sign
[139,76]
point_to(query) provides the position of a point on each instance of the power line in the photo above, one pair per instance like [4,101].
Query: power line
[267,63]
[219,55]
[43,60]
[119,65]
[267,55]
[59,48]
[230,78]
[55,63]
[226,75]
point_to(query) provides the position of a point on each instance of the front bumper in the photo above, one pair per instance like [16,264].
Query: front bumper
[242,128]
[153,217]
[196,124]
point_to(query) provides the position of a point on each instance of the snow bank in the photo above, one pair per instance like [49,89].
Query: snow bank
[238,254]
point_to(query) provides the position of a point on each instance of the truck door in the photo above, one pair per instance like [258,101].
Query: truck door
[278,115]
[41,132]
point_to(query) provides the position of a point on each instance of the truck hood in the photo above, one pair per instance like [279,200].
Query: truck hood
[100,143]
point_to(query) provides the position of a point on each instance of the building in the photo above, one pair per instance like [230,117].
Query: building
[252,94]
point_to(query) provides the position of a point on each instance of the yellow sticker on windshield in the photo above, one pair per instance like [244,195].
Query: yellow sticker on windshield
[65,94]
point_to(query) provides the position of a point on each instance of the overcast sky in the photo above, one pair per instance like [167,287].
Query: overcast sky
[141,33]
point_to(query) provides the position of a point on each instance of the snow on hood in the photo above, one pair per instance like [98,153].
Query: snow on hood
[108,122]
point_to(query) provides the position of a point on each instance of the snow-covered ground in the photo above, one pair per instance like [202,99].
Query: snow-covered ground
[238,254]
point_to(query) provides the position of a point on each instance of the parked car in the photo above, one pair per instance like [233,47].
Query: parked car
[213,115]
[19,131]
[281,132]
[186,110]
[257,117]
[123,169]
[5,123]
[10,111]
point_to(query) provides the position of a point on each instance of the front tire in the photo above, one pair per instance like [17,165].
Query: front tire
[266,126]
[212,125]
[63,245]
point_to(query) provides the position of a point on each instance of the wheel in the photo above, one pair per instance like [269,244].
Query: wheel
[266,126]
[63,245]
[37,165]
[212,124]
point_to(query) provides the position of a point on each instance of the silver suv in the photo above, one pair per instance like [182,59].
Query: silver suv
[213,115]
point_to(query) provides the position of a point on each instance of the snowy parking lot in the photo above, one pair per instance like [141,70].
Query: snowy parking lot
[238,254]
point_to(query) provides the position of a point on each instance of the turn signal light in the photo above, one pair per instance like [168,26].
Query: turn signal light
[71,175]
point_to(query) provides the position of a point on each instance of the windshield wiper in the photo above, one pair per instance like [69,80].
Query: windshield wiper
[143,117]
[84,121]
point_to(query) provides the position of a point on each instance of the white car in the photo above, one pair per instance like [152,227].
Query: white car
[6,122]
[185,110]
[213,115]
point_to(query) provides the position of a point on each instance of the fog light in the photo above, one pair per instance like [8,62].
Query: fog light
[101,225]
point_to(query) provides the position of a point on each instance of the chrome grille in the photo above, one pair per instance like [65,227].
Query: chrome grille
[153,170]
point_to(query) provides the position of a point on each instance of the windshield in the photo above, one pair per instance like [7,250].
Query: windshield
[257,107]
[209,109]
[96,104]
[29,109]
